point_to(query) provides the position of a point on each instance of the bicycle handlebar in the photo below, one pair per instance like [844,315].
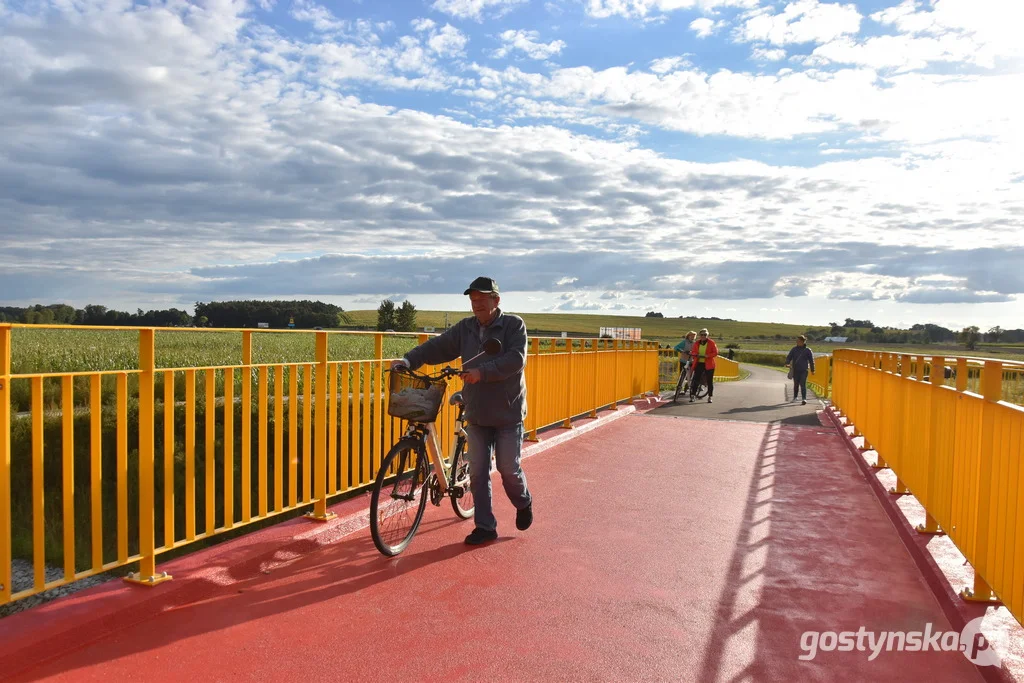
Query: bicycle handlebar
[444,373]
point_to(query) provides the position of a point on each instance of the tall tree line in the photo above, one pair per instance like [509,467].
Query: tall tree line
[277,314]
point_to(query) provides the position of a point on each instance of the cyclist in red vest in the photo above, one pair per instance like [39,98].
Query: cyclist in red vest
[703,352]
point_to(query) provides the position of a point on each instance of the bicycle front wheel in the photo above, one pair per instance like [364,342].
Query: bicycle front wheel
[679,385]
[461,492]
[399,496]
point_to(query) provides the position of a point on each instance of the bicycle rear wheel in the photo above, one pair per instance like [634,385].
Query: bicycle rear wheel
[701,389]
[399,496]
[462,494]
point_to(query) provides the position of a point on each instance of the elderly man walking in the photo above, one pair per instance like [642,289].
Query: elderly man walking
[495,395]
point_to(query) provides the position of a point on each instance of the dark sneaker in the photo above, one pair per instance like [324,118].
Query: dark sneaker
[709,400]
[481,536]
[524,518]
[804,402]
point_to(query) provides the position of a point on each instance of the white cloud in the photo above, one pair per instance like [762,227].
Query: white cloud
[705,27]
[765,54]
[643,9]
[667,64]
[903,109]
[527,42]
[981,32]
[319,16]
[422,24]
[902,52]
[448,41]
[803,21]
[475,9]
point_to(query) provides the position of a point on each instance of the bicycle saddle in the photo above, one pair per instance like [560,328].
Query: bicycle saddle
[456,399]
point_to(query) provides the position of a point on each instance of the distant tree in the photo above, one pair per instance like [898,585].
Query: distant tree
[654,314]
[386,315]
[405,317]
[1012,336]
[969,337]
[994,333]
[307,314]
[850,322]
[94,315]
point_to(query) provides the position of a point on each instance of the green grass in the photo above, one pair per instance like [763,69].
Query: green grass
[541,324]
[62,351]
[751,336]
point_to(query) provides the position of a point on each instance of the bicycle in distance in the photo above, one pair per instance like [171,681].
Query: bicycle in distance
[414,470]
[685,375]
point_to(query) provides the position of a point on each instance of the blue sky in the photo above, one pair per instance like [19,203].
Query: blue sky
[800,161]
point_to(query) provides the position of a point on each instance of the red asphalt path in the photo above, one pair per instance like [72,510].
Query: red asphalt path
[664,549]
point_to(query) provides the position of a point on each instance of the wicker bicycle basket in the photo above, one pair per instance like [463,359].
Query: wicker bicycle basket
[413,398]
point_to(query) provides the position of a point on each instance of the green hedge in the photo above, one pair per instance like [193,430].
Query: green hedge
[761,358]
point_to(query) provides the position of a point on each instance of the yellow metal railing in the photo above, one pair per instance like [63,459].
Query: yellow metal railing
[953,439]
[167,456]
[726,369]
[821,379]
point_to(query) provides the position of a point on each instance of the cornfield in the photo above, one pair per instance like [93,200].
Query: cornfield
[37,351]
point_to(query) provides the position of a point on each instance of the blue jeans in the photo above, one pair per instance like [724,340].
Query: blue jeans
[506,443]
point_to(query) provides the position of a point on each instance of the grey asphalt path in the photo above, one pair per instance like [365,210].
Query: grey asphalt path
[765,396]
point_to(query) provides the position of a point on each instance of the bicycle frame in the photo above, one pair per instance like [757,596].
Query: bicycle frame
[433,444]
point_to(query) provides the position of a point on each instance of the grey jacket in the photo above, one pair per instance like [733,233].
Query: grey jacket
[499,399]
[801,357]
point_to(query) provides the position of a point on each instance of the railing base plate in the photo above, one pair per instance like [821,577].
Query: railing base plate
[317,518]
[969,595]
[136,578]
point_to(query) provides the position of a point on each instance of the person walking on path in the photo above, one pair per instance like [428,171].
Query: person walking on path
[495,395]
[800,358]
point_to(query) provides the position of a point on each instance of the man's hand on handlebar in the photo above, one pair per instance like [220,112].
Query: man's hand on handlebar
[471,376]
[399,365]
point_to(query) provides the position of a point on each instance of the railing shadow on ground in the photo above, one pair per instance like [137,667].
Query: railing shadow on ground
[814,553]
[345,568]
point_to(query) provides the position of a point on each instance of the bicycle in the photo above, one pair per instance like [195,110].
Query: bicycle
[405,468]
[685,373]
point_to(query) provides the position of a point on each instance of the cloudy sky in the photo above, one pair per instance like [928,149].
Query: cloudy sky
[798,161]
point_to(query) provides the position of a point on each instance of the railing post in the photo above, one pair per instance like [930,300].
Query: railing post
[147,526]
[533,369]
[961,374]
[615,374]
[597,366]
[567,424]
[991,391]
[632,370]
[247,425]
[885,363]
[5,463]
[938,377]
[320,513]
